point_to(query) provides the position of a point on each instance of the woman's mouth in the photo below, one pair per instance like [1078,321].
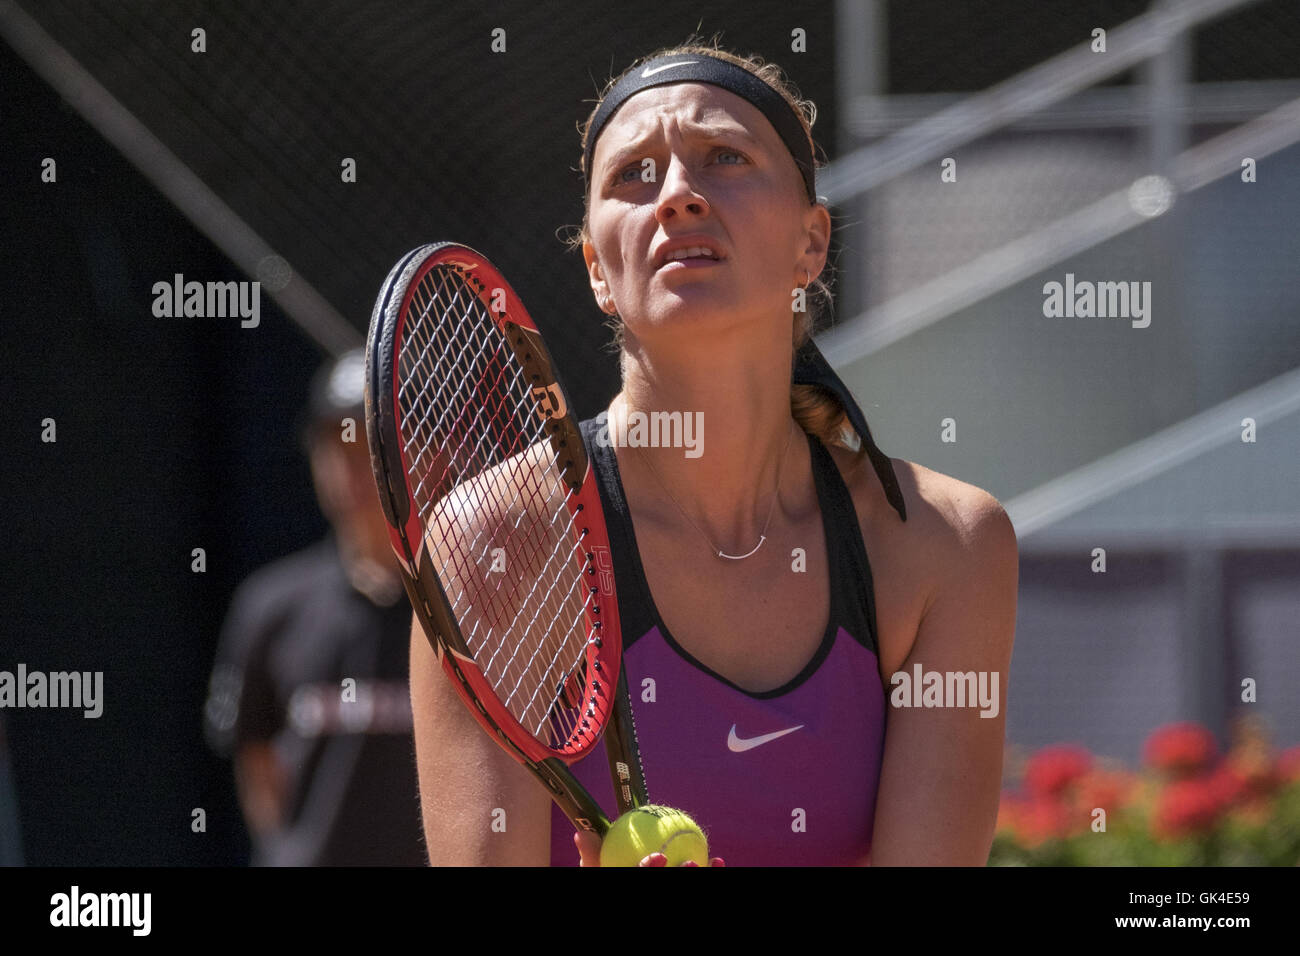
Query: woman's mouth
[693,257]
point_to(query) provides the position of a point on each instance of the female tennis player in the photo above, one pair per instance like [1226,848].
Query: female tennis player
[773,577]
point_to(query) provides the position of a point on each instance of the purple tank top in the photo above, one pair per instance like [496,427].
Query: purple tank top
[785,777]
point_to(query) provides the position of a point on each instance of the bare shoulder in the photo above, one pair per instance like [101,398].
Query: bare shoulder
[951,511]
[940,508]
[951,524]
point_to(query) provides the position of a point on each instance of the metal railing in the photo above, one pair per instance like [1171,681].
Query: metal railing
[1029,92]
[1121,210]
[1011,102]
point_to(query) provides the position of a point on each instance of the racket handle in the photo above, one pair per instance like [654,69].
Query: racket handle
[625,752]
[570,797]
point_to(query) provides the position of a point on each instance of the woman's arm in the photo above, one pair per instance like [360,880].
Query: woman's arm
[942,773]
[480,807]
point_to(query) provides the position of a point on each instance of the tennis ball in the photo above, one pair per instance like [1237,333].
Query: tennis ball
[654,829]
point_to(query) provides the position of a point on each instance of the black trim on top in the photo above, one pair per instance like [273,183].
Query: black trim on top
[634,620]
[811,368]
[852,562]
[846,560]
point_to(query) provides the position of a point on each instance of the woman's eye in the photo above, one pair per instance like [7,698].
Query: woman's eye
[636,171]
[625,175]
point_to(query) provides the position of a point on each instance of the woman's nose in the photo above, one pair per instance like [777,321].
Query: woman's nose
[679,194]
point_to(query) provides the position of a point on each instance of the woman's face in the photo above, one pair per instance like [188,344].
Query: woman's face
[721,177]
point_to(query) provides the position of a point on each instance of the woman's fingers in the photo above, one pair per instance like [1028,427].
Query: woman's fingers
[588,845]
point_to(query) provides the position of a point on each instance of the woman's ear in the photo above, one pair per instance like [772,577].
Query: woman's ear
[596,276]
[817,222]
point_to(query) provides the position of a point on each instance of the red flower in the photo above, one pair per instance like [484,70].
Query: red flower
[1187,807]
[1052,769]
[1288,763]
[1042,820]
[1229,783]
[1258,776]
[1180,749]
[1108,789]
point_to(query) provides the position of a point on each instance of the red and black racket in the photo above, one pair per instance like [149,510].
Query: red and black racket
[496,519]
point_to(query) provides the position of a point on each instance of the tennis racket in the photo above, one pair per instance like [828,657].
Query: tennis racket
[495,517]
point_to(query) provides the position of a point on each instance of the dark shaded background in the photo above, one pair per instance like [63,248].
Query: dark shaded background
[179,433]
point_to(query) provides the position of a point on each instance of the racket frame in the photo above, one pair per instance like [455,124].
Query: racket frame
[608,691]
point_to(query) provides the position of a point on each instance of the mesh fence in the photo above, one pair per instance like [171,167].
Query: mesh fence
[454,141]
[451,140]
[911,229]
[936,46]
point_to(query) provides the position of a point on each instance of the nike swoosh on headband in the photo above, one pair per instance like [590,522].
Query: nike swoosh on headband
[667,66]
[738,745]
[716,71]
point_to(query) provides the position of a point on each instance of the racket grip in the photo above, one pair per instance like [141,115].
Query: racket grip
[624,752]
[571,798]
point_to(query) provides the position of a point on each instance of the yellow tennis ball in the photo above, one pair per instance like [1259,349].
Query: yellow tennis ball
[654,829]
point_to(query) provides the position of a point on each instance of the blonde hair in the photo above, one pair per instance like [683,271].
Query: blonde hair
[818,411]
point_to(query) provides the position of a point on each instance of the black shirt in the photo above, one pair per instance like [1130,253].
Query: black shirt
[312,665]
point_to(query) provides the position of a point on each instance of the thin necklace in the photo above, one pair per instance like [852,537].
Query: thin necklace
[770,511]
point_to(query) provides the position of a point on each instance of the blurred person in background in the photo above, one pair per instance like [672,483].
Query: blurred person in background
[309,694]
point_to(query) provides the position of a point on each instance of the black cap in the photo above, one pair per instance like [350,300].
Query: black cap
[338,391]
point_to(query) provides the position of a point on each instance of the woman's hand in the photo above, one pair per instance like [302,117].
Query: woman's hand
[588,845]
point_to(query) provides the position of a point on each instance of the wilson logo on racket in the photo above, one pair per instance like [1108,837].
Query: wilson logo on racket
[550,401]
[604,568]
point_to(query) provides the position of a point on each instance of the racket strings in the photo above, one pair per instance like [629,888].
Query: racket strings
[475,443]
[546,602]
[475,427]
[543,607]
[458,343]
[443,337]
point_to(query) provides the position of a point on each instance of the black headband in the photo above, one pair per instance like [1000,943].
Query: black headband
[701,68]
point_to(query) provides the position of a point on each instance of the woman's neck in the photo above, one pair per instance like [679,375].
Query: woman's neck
[714,450]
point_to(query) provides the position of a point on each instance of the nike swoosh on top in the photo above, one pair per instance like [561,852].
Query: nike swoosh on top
[738,745]
[667,66]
